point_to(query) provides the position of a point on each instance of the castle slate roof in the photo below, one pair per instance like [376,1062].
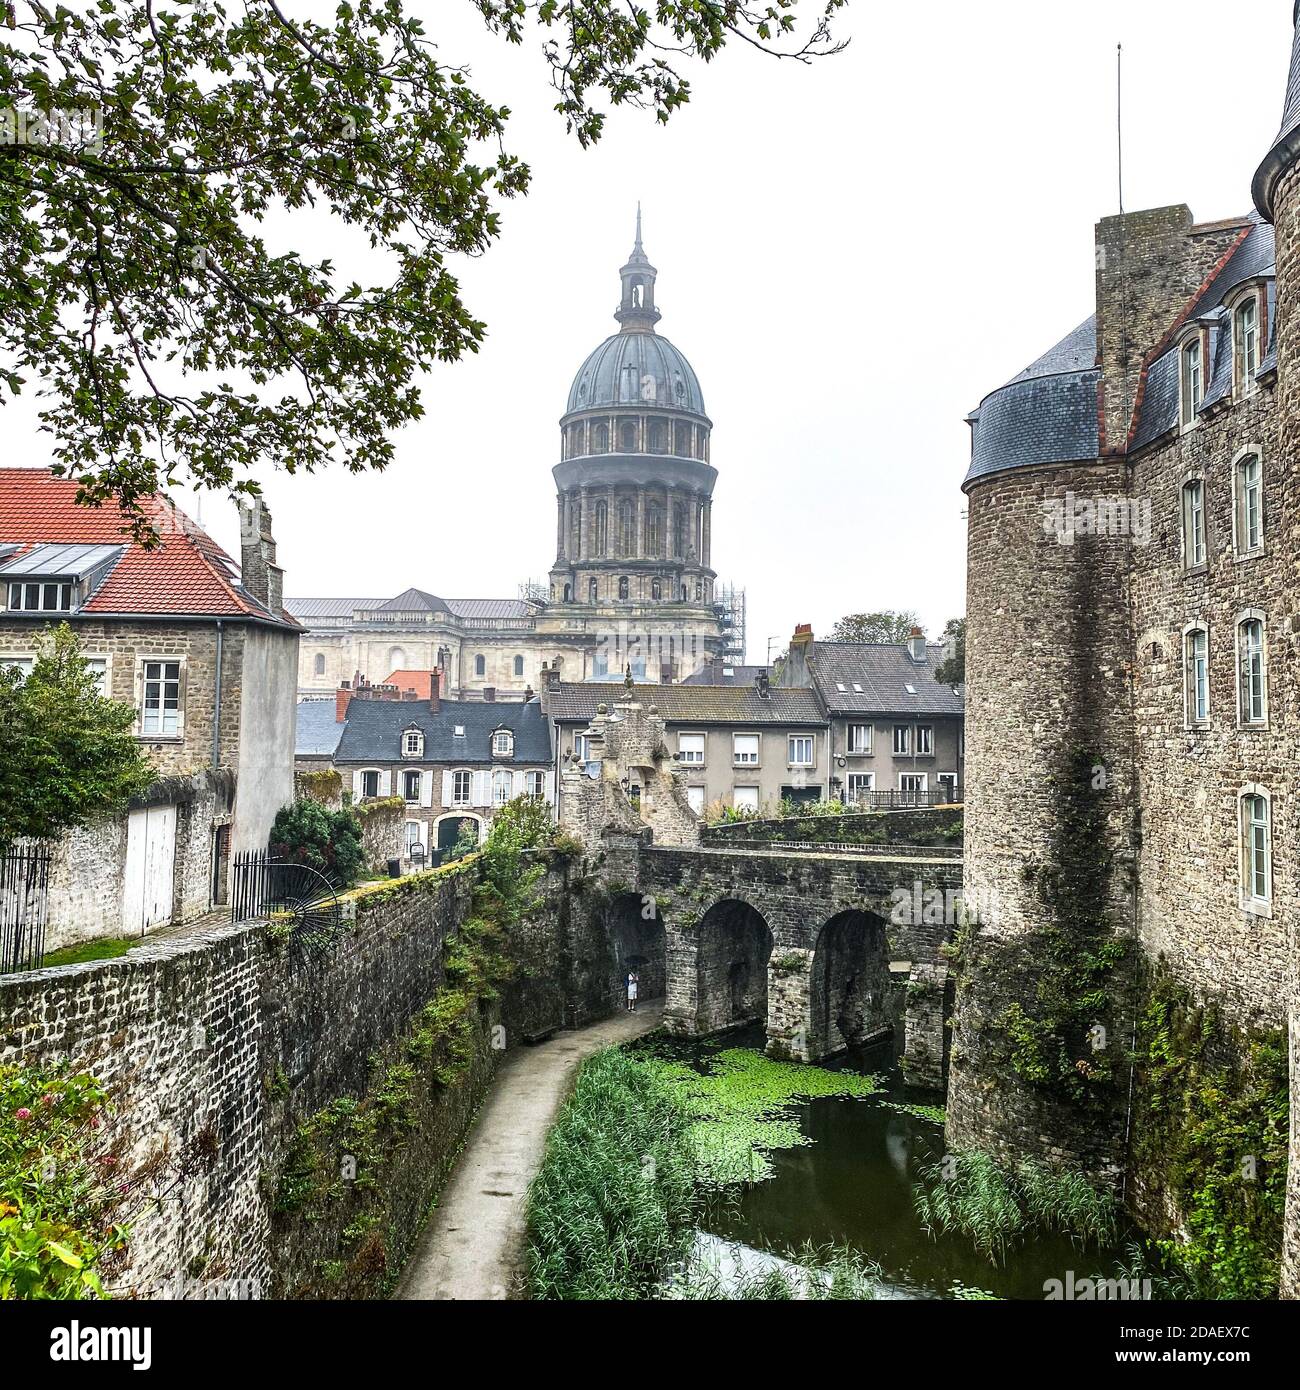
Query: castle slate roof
[575,702]
[372,731]
[186,574]
[881,678]
[319,730]
[1286,146]
[1045,414]
[717,674]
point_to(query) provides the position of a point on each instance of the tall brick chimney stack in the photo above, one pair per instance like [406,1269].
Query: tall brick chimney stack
[435,692]
[342,699]
[916,646]
[259,573]
[795,675]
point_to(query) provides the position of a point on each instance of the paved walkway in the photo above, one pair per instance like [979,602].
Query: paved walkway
[473,1246]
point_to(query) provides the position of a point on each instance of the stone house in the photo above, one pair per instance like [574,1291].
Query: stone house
[747,747]
[451,762]
[892,726]
[201,649]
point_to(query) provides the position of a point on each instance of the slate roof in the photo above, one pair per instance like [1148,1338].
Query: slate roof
[1253,259]
[616,373]
[883,670]
[187,572]
[372,732]
[711,674]
[318,729]
[1283,153]
[412,601]
[692,704]
[467,608]
[1045,414]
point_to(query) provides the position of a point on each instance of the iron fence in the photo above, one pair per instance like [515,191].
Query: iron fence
[24,908]
[301,897]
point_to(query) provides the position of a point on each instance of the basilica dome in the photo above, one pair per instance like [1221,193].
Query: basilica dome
[636,368]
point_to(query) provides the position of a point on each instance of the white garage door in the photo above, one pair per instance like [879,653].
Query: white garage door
[150,867]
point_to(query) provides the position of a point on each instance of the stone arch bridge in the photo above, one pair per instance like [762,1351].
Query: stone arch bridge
[826,948]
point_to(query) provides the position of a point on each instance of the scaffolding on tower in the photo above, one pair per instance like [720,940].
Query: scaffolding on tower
[729,604]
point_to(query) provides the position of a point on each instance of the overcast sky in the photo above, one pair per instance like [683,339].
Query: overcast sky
[851,255]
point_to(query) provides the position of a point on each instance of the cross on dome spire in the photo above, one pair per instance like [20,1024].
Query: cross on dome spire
[636,311]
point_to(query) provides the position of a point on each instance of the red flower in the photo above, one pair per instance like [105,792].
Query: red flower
[23,1113]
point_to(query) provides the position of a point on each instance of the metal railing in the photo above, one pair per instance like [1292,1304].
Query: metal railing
[24,908]
[262,887]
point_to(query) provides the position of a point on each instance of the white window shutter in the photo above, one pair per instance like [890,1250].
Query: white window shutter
[446,788]
[426,788]
[356,785]
[385,784]
[517,787]
[482,789]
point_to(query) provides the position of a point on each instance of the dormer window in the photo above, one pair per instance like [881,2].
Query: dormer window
[1191,381]
[412,743]
[1245,344]
[34,597]
[503,743]
[54,578]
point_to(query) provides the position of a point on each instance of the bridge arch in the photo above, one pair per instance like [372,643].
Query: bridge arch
[733,947]
[850,994]
[635,932]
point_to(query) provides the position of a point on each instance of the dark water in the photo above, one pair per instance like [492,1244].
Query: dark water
[853,1186]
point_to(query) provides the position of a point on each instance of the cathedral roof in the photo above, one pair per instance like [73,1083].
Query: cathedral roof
[631,368]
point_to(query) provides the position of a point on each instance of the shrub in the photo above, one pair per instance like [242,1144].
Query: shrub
[328,841]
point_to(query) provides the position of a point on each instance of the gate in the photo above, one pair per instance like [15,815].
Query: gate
[24,907]
[280,890]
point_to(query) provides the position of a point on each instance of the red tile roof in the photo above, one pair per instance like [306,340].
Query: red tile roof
[419,681]
[187,572]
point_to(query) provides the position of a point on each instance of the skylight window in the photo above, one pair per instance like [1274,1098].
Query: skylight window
[458,731]
[857,687]
[841,687]
[911,689]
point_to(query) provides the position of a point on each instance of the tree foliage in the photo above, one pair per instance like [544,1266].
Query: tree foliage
[885,626]
[170,340]
[69,753]
[328,841]
[952,669]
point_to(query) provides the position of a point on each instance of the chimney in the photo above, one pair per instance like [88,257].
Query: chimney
[435,693]
[258,572]
[550,677]
[916,646]
[795,674]
[764,686]
[342,699]
[489,693]
[1150,267]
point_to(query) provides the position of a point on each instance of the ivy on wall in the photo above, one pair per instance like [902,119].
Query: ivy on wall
[1210,1118]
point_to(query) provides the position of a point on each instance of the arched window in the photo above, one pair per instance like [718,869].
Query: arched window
[1196,675]
[396,659]
[602,527]
[626,527]
[519,666]
[568,594]
[480,665]
[627,436]
[600,437]
[320,664]
[1245,344]
[1191,387]
[1248,484]
[622,586]
[658,437]
[1193,523]
[656,589]
[654,531]
[699,592]
[1255,823]
[1252,674]
[679,530]
[684,593]
[593,590]
[682,439]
